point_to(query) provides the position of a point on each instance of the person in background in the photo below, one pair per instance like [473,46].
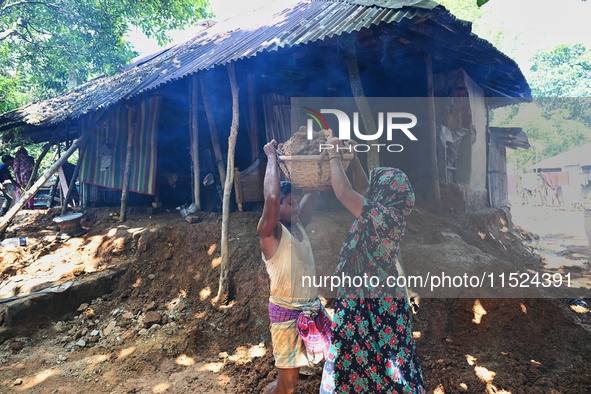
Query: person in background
[7,184]
[23,170]
[372,348]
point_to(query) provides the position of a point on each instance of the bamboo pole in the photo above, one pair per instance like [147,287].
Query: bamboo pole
[432,135]
[223,289]
[219,158]
[195,143]
[72,184]
[373,156]
[6,219]
[127,171]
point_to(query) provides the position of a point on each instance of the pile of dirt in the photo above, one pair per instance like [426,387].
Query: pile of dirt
[158,330]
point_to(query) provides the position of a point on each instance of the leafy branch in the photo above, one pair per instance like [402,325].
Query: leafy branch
[48,41]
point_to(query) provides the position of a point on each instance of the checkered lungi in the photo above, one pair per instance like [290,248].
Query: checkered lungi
[300,337]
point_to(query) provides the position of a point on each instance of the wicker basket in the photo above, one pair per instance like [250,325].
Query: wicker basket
[310,172]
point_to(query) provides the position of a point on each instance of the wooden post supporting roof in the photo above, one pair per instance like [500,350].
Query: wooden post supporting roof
[253,129]
[223,289]
[56,184]
[195,142]
[219,158]
[373,156]
[127,173]
[72,184]
[432,135]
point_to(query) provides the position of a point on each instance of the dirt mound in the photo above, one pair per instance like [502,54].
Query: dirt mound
[157,331]
[299,144]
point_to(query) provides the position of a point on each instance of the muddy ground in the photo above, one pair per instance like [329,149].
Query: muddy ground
[157,330]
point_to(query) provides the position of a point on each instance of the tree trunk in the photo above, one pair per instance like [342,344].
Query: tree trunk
[6,219]
[225,266]
[195,143]
[126,173]
[373,156]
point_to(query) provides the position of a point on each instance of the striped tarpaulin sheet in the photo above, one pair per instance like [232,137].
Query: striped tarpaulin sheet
[103,163]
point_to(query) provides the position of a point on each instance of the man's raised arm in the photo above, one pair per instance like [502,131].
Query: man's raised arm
[268,227]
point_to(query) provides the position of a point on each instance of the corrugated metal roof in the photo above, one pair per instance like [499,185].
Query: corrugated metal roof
[267,29]
[579,156]
[513,137]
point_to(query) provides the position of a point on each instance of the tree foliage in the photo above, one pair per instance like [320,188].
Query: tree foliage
[50,45]
[472,12]
[551,129]
[465,10]
[559,118]
[560,78]
[562,71]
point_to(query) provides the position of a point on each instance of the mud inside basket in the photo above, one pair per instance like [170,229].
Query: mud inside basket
[310,172]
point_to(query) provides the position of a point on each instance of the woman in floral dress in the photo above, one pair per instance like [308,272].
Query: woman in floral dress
[372,349]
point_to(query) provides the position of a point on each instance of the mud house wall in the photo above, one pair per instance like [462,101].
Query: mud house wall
[465,161]
[477,195]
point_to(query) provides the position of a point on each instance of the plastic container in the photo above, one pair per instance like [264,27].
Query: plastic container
[18,241]
[187,210]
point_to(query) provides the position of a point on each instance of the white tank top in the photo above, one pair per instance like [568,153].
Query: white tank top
[291,262]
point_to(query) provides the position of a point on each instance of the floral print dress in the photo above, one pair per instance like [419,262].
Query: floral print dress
[372,349]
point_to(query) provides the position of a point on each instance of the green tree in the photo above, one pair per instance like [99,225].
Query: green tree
[10,93]
[50,45]
[465,10]
[559,118]
[562,71]
[480,19]
[560,79]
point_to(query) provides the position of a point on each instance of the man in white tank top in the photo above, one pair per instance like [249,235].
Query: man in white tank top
[288,256]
